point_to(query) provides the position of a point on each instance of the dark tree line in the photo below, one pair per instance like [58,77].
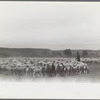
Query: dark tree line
[68,53]
[85,53]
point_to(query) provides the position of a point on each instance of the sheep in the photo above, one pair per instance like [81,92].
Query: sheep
[27,66]
[37,71]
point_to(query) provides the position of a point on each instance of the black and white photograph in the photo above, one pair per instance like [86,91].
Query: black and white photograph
[49,42]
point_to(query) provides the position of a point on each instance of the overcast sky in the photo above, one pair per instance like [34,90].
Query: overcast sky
[53,25]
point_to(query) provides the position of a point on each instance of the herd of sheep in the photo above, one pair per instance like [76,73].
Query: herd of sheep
[42,67]
[91,60]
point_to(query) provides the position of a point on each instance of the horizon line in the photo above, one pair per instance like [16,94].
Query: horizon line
[45,48]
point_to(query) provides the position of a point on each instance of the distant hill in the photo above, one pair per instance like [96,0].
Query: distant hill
[38,52]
